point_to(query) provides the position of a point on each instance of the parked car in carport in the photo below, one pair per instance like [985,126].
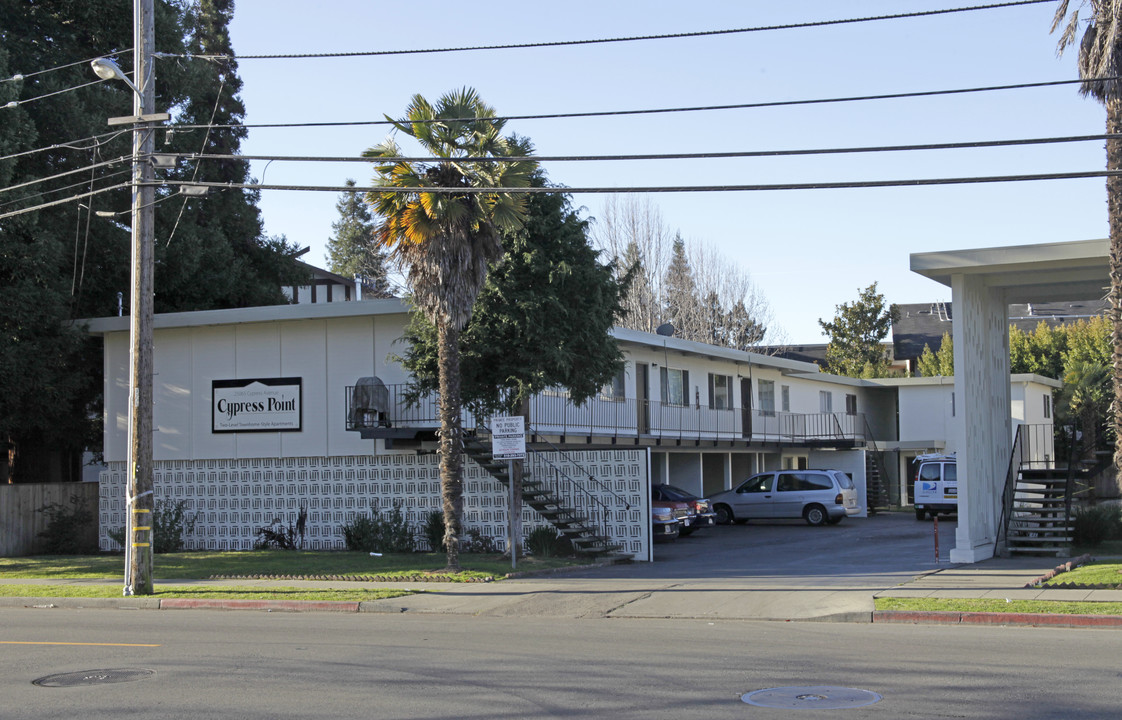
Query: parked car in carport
[702,515]
[670,518]
[817,496]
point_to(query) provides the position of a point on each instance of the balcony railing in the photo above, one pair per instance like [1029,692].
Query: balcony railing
[554,414]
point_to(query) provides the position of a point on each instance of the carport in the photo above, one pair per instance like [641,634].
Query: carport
[984,282]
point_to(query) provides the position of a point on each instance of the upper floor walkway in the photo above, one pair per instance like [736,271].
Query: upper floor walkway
[380,411]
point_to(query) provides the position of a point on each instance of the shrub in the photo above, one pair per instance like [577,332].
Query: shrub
[1097,523]
[67,530]
[170,523]
[545,541]
[473,541]
[374,533]
[433,530]
[276,535]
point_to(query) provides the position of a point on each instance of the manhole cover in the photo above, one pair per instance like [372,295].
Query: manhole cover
[93,677]
[811,697]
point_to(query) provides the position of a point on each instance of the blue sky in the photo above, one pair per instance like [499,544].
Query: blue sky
[807,251]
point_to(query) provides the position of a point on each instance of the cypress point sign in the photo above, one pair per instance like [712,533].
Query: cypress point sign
[256,405]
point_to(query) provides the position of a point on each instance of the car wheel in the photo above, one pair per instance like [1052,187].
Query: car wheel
[815,515]
[920,514]
[724,514]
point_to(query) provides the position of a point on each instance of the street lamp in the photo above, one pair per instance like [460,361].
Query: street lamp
[106,69]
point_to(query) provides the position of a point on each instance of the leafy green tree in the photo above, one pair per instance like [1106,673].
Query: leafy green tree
[856,333]
[352,251]
[543,319]
[446,240]
[1100,68]
[941,362]
[1086,399]
[1040,351]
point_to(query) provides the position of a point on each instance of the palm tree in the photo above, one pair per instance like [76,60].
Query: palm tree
[445,239]
[1100,67]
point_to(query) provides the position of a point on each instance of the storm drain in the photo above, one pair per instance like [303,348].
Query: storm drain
[93,677]
[813,697]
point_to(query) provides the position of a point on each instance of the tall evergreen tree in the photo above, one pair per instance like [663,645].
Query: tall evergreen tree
[62,263]
[211,250]
[682,306]
[352,251]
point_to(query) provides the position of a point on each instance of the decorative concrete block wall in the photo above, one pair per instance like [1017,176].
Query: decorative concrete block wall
[231,499]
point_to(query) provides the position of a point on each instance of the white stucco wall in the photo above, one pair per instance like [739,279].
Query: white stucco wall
[328,354]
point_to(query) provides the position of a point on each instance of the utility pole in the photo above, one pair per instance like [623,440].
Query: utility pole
[138,570]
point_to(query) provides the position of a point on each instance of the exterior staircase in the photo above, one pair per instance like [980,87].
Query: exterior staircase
[586,535]
[1040,513]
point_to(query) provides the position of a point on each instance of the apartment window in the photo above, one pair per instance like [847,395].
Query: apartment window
[767,396]
[720,392]
[850,404]
[675,386]
[825,401]
[1047,406]
[614,391]
[785,398]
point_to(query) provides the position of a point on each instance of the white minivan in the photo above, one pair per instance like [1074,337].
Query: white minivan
[817,496]
[936,485]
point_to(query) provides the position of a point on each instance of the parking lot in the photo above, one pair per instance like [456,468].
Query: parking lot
[879,551]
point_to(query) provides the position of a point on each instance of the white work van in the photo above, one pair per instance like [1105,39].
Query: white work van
[936,485]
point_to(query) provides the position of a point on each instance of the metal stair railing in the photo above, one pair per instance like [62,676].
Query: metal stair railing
[1016,458]
[580,502]
[879,461]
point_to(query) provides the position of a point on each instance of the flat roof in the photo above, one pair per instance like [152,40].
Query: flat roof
[264,313]
[1028,273]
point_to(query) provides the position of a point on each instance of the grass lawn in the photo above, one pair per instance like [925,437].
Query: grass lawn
[194,592]
[999,605]
[282,563]
[1093,574]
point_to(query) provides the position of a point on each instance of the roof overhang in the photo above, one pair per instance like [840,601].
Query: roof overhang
[1047,272]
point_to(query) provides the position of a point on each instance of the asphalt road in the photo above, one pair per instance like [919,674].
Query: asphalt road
[230,665]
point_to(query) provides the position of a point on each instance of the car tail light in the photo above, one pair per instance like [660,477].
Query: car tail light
[838,499]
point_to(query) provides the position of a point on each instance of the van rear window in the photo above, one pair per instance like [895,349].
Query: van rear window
[844,481]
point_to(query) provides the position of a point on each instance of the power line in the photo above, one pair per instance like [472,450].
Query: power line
[853,184]
[669,156]
[15,103]
[103,163]
[656,111]
[25,198]
[597,41]
[23,76]
[72,198]
[68,146]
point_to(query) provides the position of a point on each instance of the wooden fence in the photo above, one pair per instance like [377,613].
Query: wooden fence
[20,519]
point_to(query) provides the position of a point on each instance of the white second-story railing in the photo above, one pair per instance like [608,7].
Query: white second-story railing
[554,414]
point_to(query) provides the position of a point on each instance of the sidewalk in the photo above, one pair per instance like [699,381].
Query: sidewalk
[744,598]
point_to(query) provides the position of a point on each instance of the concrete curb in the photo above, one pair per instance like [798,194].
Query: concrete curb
[995,618]
[267,605]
